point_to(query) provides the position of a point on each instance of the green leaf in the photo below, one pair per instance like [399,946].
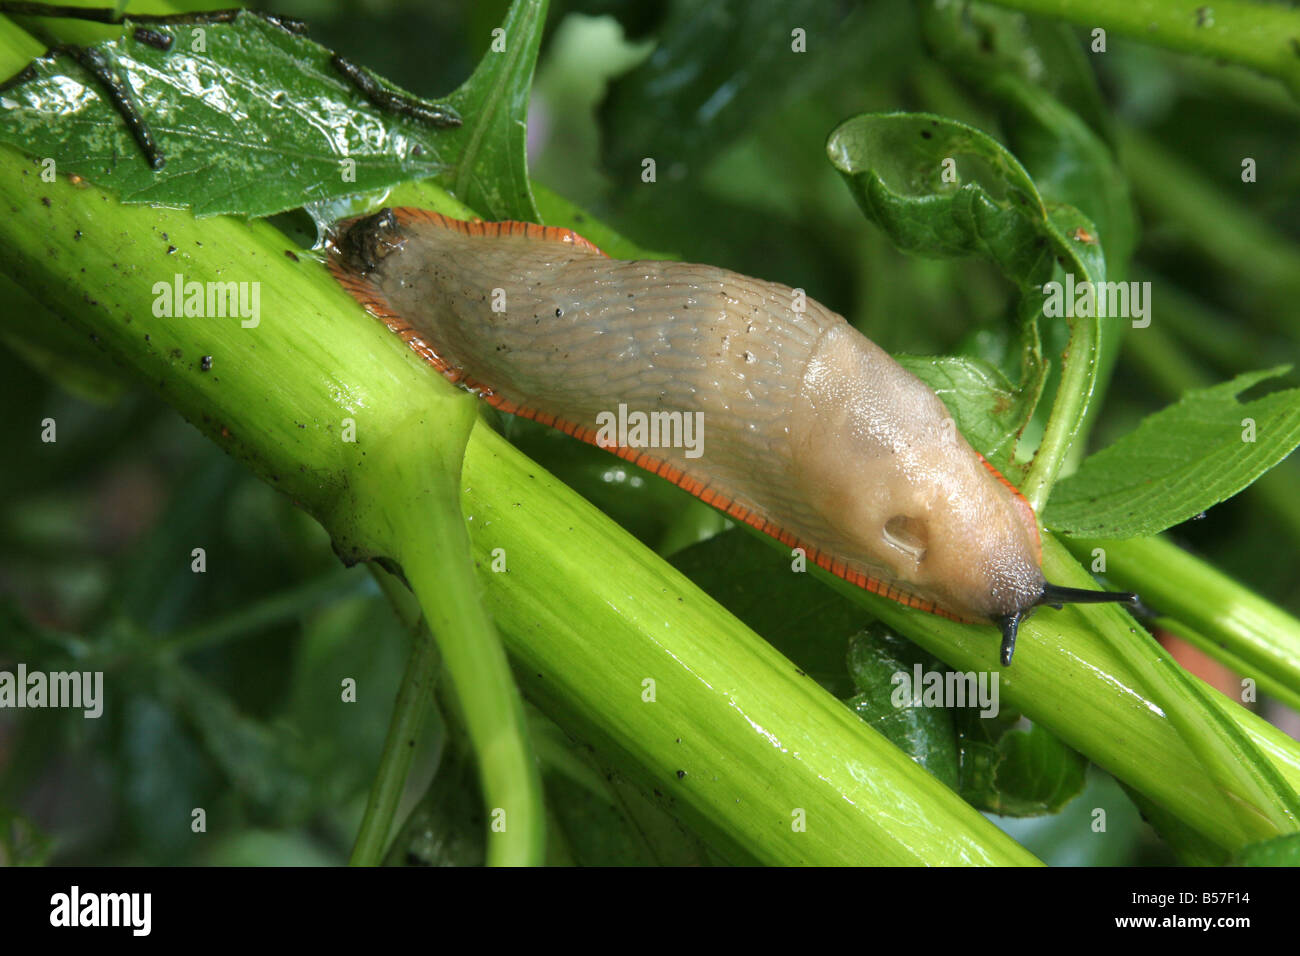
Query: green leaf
[1179,461]
[941,188]
[490,152]
[1018,773]
[989,45]
[996,768]
[923,731]
[256,123]
[1051,109]
[986,408]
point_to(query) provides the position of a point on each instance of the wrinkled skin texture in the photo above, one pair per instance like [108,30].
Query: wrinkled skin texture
[809,429]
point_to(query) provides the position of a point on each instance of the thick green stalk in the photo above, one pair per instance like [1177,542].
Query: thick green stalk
[423,532]
[1238,665]
[365,471]
[735,738]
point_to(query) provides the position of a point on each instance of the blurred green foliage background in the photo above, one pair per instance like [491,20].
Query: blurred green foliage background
[230,679]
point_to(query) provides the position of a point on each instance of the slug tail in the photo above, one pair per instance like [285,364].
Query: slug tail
[358,245]
[367,293]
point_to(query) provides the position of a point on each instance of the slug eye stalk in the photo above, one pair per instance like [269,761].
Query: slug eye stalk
[1056,596]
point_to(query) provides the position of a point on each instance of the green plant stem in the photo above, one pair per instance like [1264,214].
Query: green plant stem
[406,507]
[409,712]
[1215,607]
[1057,646]
[399,747]
[1255,35]
[1230,660]
[368,509]
[484,688]
[730,717]
[1066,421]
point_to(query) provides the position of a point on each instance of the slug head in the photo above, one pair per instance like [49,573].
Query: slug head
[903,498]
[899,492]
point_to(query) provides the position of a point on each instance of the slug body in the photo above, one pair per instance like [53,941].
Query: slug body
[811,432]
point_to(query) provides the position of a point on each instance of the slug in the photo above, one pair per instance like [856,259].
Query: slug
[810,432]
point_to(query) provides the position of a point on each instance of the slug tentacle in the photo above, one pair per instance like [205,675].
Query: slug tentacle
[770,406]
[1056,596]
